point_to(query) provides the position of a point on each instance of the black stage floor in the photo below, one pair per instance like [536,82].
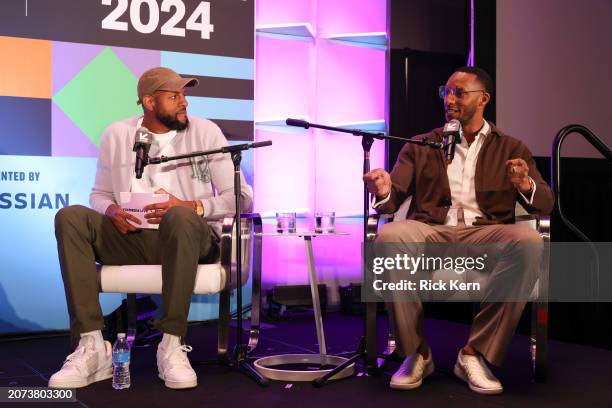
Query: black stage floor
[578,375]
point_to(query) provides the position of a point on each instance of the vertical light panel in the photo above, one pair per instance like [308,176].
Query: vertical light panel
[350,89]
[284,173]
[328,82]
[350,83]
[283,78]
[338,171]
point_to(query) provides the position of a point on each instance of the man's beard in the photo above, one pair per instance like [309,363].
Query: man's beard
[468,114]
[172,123]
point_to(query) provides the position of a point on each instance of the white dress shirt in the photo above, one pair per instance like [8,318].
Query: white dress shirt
[461,173]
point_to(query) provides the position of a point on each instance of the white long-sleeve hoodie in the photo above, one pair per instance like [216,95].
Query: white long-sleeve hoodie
[210,179]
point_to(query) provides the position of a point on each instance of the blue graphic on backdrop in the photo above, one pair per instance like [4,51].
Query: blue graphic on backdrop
[32,189]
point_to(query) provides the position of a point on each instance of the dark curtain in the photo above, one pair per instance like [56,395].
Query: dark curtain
[414,106]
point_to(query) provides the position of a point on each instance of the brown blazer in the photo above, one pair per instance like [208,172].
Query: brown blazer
[420,172]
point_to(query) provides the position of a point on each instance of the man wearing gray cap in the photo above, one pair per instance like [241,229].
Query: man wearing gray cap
[200,192]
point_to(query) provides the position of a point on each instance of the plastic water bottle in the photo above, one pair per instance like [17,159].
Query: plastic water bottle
[121,363]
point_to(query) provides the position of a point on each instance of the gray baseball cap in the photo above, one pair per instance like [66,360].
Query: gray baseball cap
[162,79]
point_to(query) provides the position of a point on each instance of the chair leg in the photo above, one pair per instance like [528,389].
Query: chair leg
[224,323]
[389,353]
[256,287]
[131,317]
[539,340]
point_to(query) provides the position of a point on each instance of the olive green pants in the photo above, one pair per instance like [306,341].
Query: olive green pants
[85,237]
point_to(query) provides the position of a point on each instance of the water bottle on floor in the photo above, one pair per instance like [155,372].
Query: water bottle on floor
[121,363]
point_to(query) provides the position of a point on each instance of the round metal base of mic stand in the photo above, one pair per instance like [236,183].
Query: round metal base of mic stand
[266,367]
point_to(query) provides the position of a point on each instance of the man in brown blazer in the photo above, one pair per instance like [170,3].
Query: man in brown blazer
[468,200]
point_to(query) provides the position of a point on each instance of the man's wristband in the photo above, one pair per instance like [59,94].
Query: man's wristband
[199,208]
[531,186]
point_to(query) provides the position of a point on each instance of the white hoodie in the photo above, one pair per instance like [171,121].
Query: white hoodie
[214,185]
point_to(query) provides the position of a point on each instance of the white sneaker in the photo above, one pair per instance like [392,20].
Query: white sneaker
[85,366]
[474,371]
[411,373]
[174,367]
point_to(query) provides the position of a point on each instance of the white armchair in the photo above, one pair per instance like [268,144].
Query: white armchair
[210,279]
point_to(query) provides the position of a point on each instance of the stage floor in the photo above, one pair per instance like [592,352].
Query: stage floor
[578,375]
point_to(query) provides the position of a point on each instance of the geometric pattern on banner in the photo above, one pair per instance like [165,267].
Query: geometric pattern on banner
[68,140]
[103,92]
[137,60]
[69,59]
[26,126]
[25,67]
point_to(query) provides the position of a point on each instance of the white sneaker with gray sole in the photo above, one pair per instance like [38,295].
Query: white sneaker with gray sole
[474,371]
[174,367]
[86,365]
[412,371]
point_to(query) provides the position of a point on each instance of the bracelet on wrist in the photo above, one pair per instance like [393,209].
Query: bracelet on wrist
[199,208]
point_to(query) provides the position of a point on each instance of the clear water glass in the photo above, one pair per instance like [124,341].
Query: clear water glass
[325,221]
[285,222]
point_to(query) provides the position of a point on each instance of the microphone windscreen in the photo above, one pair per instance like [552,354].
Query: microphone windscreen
[143,136]
[262,144]
[452,125]
[297,122]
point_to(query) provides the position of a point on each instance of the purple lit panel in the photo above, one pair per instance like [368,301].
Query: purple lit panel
[284,175]
[339,167]
[313,170]
[337,258]
[283,83]
[284,261]
[283,11]
[350,83]
[351,16]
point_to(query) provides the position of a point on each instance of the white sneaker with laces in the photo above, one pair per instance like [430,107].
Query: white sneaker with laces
[474,371]
[411,373]
[174,367]
[86,365]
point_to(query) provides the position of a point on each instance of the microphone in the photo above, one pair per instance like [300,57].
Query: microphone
[142,144]
[245,146]
[298,123]
[451,135]
[261,144]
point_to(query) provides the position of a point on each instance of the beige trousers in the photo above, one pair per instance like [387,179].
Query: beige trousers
[495,323]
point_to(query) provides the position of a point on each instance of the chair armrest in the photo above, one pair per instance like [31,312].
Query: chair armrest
[544,227]
[372,226]
[526,217]
[251,229]
[542,223]
[251,216]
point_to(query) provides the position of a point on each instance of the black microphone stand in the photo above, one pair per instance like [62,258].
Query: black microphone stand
[366,349]
[239,357]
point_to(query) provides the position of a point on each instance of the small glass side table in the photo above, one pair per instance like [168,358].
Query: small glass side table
[266,365]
